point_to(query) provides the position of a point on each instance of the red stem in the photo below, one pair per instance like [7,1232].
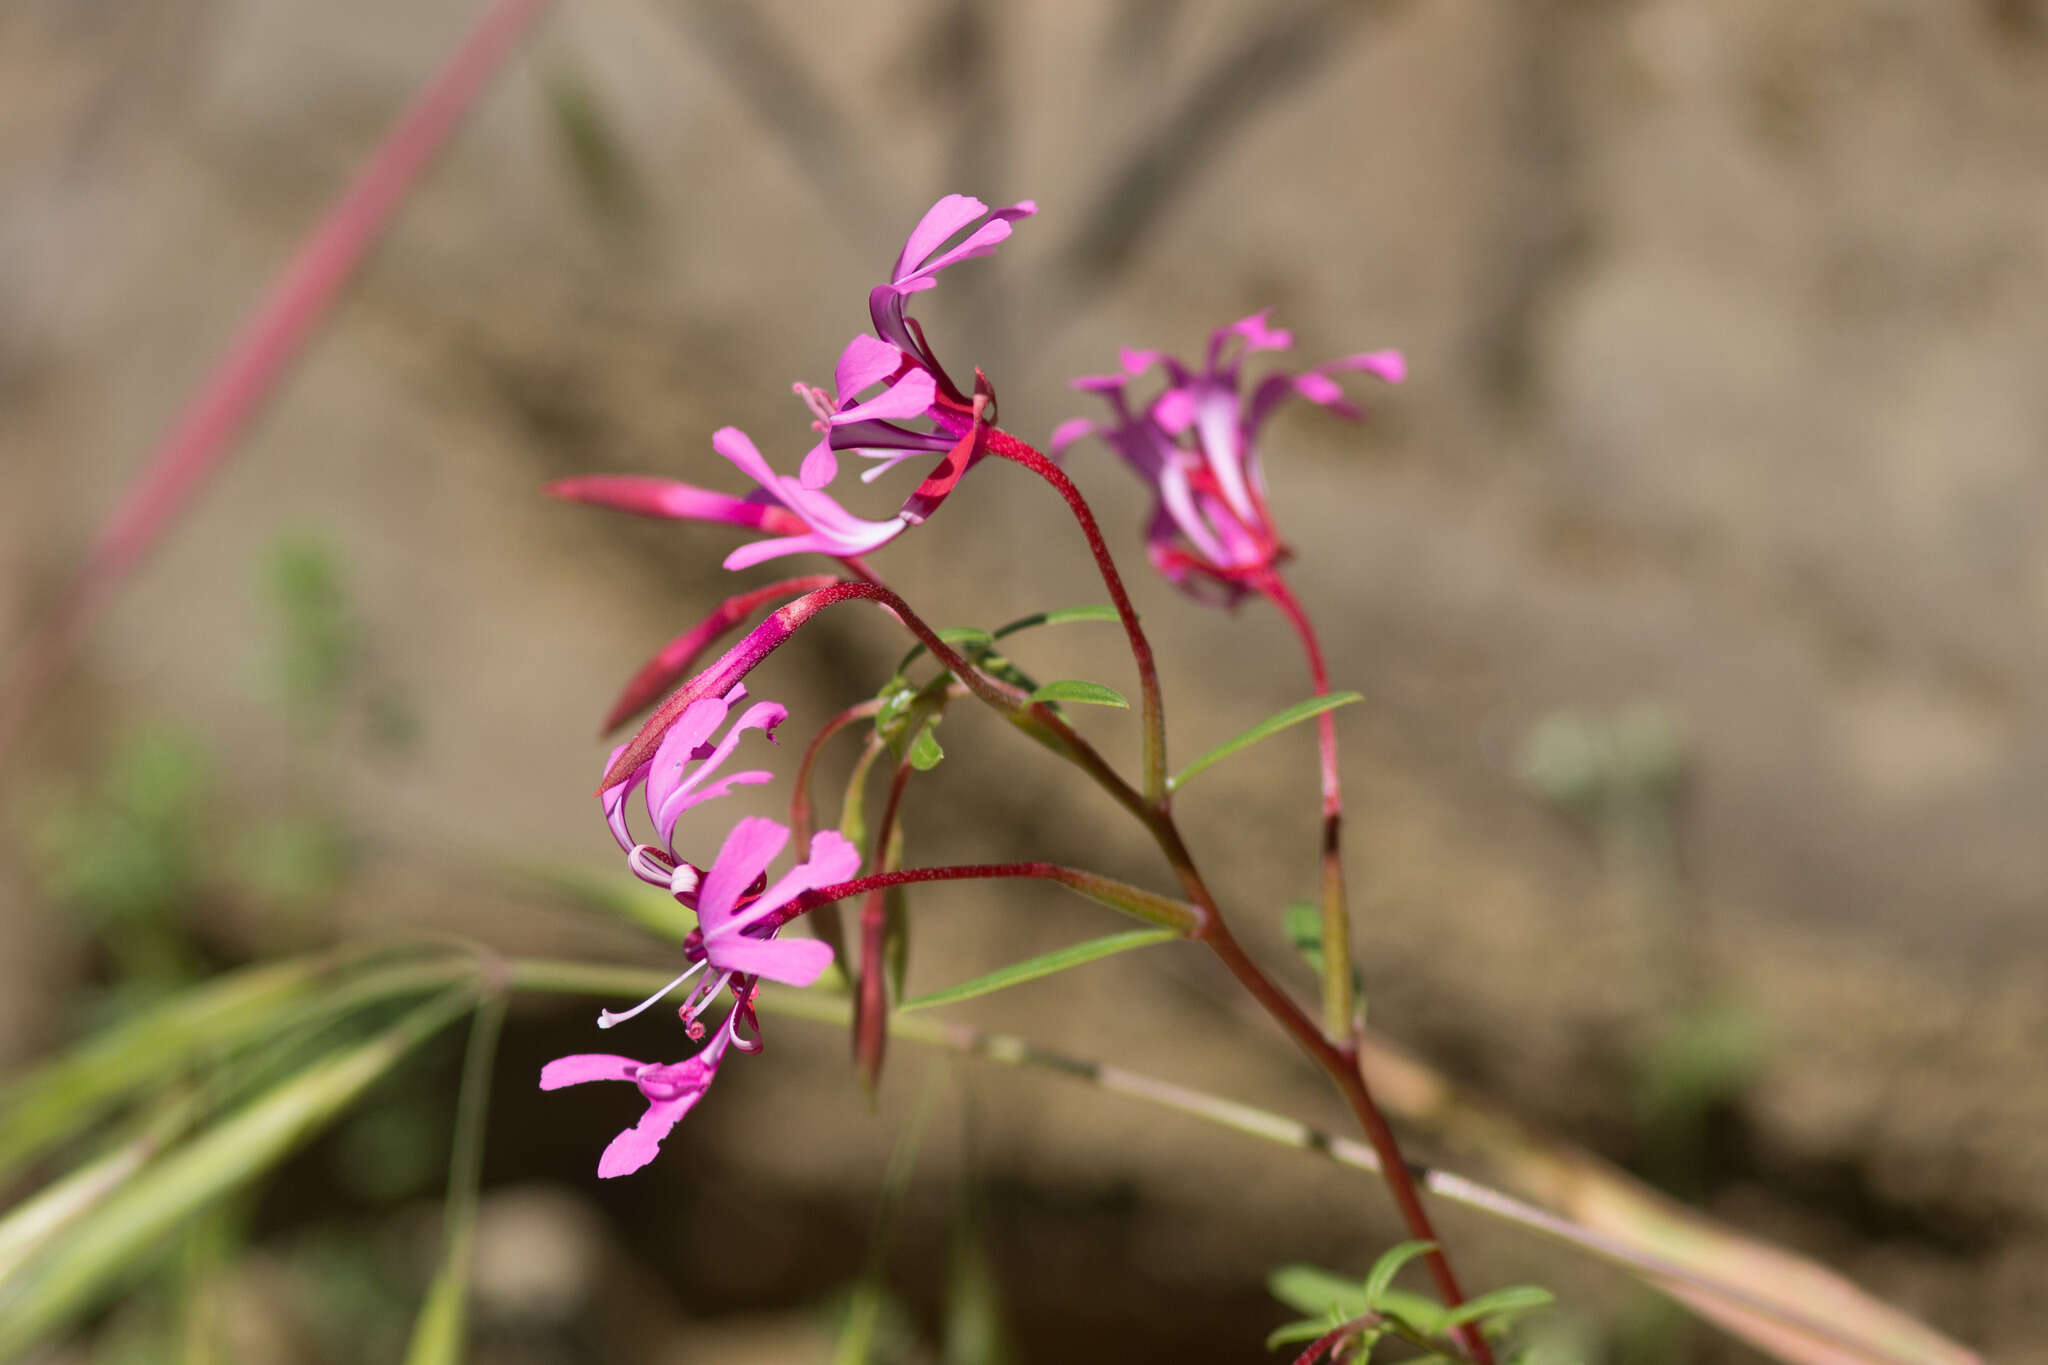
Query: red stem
[800,796]
[257,360]
[1338,1017]
[1002,443]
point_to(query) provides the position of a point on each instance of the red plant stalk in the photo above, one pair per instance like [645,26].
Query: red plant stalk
[871,998]
[1337,1055]
[1339,1012]
[260,355]
[1001,443]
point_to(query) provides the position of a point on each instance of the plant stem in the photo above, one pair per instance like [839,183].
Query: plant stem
[1336,1053]
[1339,1011]
[1134,901]
[1008,447]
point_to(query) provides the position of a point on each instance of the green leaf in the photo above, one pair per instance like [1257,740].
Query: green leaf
[1381,1276]
[1310,1289]
[1303,924]
[1100,611]
[99,1253]
[979,640]
[1072,689]
[1306,1329]
[1271,725]
[1516,1298]
[438,1334]
[1017,973]
[925,752]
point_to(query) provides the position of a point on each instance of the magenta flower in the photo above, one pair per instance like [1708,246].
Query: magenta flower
[1196,444]
[678,776]
[672,1090]
[897,359]
[737,917]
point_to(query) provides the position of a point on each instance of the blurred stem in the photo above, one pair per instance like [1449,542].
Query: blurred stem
[871,1011]
[856,1340]
[1339,1009]
[1675,1269]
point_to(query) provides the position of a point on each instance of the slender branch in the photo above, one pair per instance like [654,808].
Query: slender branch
[1339,1011]
[871,1007]
[1691,1286]
[1003,444]
[1338,1059]
[261,355]
[800,807]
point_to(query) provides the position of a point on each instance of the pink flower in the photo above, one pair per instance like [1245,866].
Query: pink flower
[898,360]
[1196,444]
[737,917]
[678,776]
[672,1089]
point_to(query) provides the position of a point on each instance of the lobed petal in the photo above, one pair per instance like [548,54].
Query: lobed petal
[748,849]
[585,1067]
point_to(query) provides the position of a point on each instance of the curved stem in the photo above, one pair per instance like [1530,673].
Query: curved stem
[800,794]
[1003,444]
[871,993]
[1339,1011]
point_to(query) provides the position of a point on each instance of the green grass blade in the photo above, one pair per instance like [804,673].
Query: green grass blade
[1271,725]
[1017,973]
[439,1336]
[100,1252]
[1073,689]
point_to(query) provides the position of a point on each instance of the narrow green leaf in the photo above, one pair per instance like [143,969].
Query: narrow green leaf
[1381,1276]
[1294,1333]
[1271,725]
[97,1255]
[1310,1289]
[1017,973]
[439,1336]
[1100,611]
[853,807]
[622,898]
[1516,1298]
[976,639]
[1073,689]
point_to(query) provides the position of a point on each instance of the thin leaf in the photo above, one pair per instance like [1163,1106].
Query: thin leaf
[1073,689]
[1305,1329]
[439,1336]
[1313,1290]
[968,634]
[1516,1298]
[1381,1276]
[1271,725]
[1017,973]
[98,1255]
[925,752]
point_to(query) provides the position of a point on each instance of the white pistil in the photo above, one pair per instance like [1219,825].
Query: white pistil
[609,1018]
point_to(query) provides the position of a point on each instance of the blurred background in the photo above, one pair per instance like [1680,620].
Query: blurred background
[1694,582]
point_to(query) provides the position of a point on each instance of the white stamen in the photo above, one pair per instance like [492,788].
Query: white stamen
[609,1018]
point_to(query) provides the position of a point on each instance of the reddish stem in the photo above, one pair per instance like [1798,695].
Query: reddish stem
[1338,1009]
[256,362]
[800,795]
[871,1001]
[1008,447]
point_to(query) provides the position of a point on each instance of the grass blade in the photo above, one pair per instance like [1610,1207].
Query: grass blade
[439,1336]
[1271,725]
[1017,973]
[257,360]
[99,1253]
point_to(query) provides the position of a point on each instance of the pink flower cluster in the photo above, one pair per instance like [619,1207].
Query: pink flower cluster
[1211,533]
[1196,443]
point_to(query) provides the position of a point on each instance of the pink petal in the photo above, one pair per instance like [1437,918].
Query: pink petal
[940,221]
[792,961]
[1072,430]
[909,396]
[641,1143]
[669,767]
[865,362]
[833,859]
[819,468]
[1174,410]
[745,855]
[584,1067]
